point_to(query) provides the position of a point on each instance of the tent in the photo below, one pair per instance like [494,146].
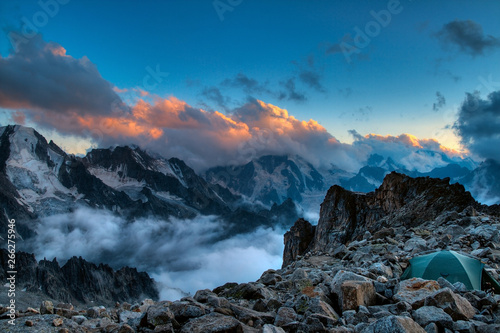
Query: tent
[452,266]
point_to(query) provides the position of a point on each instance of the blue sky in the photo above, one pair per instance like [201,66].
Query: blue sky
[410,76]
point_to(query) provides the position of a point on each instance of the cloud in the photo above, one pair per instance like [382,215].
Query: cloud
[468,36]
[248,85]
[312,79]
[478,125]
[440,102]
[70,86]
[412,153]
[165,125]
[215,95]
[180,254]
[291,92]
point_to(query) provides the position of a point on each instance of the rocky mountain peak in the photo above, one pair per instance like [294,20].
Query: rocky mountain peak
[401,201]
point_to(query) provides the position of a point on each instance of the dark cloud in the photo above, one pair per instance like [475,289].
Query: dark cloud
[215,95]
[291,92]
[468,36]
[312,79]
[440,102]
[478,125]
[247,84]
[40,76]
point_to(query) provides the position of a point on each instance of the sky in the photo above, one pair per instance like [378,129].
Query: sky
[219,82]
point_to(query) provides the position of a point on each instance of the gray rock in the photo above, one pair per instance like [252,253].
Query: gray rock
[285,316]
[126,316]
[157,314]
[431,328]
[455,305]
[431,314]
[213,323]
[270,278]
[415,244]
[394,324]
[186,310]
[462,326]
[245,315]
[78,319]
[203,295]
[46,307]
[272,329]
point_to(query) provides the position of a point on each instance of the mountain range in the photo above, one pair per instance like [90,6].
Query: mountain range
[38,179]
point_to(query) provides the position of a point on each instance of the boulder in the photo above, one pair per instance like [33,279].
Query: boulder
[356,293]
[394,324]
[213,323]
[414,291]
[431,314]
[455,305]
[285,316]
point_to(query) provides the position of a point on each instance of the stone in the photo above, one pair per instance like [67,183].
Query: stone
[455,305]
[57,322]
[431,314]
[379,268]
[356,293]
[337,281]
[414,291]
[29,323]
[462,326]
[245,315]
[127,316]
[394,324]
[270,278]
[78,319]
[285,316]
[158,314]
[46,307]
[213,323]
[272,329]
[186,310]
[203,295]
[317,306]
[415,244]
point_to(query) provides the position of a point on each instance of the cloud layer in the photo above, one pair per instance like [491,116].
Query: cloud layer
[182,255]
[76,100]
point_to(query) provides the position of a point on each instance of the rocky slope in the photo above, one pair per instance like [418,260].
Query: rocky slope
[342,275]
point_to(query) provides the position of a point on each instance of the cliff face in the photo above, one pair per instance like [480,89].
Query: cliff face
[400,201]
[80,281]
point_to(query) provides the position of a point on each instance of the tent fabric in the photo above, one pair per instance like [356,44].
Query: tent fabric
[450,265]
[493,284]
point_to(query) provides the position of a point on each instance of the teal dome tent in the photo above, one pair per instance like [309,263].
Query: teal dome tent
[452,266]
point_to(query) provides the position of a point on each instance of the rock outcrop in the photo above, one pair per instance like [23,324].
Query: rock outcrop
[400,201]
[297,240]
